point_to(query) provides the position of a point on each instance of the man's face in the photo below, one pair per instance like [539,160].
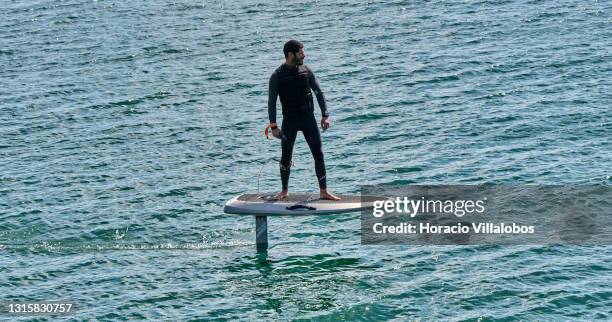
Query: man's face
[298,58]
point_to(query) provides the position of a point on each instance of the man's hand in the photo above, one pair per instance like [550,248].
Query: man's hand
[276,133]
[325,123]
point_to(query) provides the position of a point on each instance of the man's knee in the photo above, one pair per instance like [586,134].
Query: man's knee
[285,166]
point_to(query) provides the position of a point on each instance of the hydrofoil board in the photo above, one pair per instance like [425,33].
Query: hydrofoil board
[296,204]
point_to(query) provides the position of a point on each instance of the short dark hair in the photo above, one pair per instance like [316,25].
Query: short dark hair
[292,46]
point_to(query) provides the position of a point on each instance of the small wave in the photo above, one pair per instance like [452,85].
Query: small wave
[51,247]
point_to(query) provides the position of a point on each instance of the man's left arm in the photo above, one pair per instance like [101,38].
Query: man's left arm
[316,87]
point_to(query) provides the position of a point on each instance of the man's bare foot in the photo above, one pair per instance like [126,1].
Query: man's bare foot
[324,194]
[282,195]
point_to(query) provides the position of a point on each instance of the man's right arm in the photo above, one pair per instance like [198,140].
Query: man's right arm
[272,96]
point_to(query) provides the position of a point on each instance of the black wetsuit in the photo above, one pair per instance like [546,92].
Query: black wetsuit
[293,84]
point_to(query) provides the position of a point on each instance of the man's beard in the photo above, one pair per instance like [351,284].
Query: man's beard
[298,61]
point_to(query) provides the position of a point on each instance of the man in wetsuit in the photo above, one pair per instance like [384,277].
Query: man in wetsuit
[292,81]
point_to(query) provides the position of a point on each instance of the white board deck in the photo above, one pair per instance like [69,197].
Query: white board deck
[296,204]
